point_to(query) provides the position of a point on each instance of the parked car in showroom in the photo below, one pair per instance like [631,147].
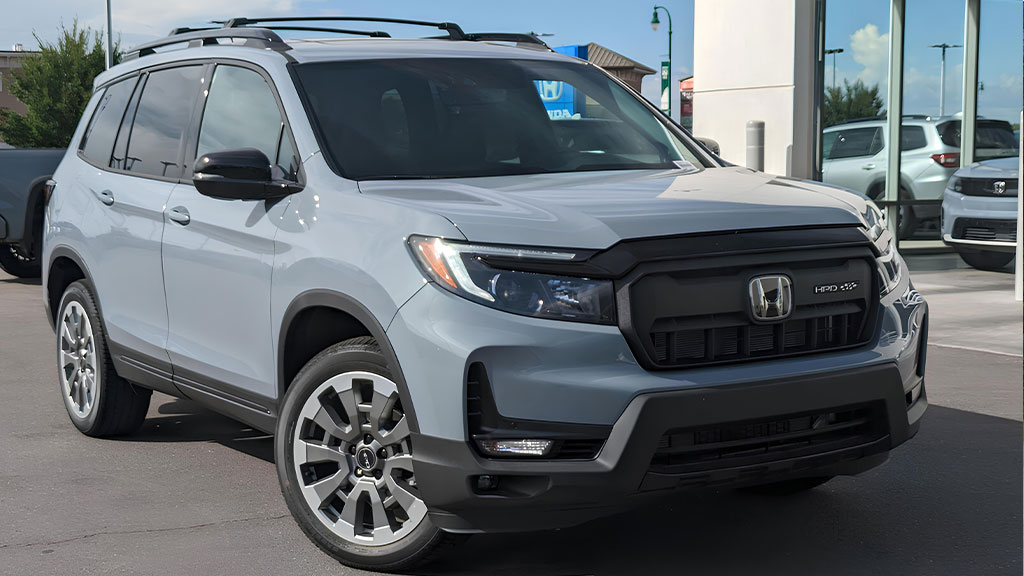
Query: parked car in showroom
[979,212]
[455,312]
[23,176]
[855,155]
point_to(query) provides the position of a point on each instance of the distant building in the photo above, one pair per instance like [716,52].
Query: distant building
[11,60]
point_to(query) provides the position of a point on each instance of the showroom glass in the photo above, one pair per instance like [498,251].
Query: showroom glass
[436,118]
[98,140]
[161,120]
[241,112]
[1000,85]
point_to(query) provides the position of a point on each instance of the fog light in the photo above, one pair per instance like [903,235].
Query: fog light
[486,483]
[515,447]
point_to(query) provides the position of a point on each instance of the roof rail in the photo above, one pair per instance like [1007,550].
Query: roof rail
[454,30]
[370,33]
[260,37]
[507,37]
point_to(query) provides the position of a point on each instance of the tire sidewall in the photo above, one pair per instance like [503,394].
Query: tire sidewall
[330,363]
[81,292]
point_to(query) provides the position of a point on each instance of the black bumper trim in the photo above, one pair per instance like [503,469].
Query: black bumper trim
[535,495]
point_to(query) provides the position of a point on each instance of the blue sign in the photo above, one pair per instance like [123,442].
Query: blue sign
[560,98]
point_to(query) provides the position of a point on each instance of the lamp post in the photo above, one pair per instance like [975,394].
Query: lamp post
[833,52]
[108,44]
[942,75]
[654,26]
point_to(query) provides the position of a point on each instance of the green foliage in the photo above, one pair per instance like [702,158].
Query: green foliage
[850,102]
[55,87]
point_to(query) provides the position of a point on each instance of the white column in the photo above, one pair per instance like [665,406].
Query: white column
[895,114]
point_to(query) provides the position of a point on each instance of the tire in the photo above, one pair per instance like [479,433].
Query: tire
[907,220]
[15,263]
[988,260]
[98,401]
[354,499]
[788,487]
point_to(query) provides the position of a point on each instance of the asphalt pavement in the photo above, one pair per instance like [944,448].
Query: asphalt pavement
[196,493]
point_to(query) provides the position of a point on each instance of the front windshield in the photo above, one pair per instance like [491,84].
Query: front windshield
[455,117]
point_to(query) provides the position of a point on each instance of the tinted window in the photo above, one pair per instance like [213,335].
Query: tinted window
[828,139]
[992,138]
[241,112]
[459,117]
[912,138]
[102,130]
[856,142]
[161,120]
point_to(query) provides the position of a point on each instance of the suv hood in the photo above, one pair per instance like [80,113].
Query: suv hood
[597,209]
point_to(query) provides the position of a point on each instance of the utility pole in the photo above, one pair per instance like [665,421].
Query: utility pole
[109,43]
[942,75]
[654,26]
[833,52]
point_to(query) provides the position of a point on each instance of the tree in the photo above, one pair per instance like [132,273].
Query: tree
[55,87]
[851,101]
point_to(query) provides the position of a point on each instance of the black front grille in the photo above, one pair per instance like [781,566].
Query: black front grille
[986,230]
[696,317]
[750,442]
[987,186]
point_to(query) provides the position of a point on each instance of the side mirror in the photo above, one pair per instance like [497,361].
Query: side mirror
[710,145]
[242,174]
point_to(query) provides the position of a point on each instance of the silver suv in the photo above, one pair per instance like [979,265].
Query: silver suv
[456,311]
[855,156]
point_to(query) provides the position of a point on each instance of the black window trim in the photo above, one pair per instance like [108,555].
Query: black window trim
[145,72]
[192,137]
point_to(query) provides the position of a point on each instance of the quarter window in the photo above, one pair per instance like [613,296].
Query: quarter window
[161,120]
[98,140]
[856,142]
[241,112]
[913,138]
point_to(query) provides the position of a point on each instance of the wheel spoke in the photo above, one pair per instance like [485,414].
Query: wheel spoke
[400,461]
[398,433]
[319,453]
[380,516]
[326,488]
[381,406]
[407,500]
[328,419]
[351,406]
[350,512]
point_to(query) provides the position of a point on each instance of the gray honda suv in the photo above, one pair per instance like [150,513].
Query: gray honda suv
[457,309]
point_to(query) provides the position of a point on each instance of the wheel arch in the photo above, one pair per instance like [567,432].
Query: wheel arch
[317,319]
[64,267]
[33,213]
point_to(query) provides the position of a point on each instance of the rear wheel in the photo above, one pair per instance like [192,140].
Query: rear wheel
[987,260]
[16,262]
[344,459]
[99,402]
[788,487]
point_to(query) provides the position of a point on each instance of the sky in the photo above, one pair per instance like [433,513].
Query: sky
[860,27]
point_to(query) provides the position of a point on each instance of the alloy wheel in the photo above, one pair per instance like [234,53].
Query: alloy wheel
[353,460]
[78,374]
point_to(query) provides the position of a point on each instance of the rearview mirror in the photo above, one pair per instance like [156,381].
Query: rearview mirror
[243,174]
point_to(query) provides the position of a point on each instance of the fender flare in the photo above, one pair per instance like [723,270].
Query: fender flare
[348,305]
[35,193]
[70,254]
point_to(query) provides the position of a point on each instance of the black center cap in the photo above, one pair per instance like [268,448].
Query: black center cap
[366,459]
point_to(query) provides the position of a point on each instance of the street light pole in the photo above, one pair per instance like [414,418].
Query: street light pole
[654,26]
[833,52]
[942,75]
[109,43]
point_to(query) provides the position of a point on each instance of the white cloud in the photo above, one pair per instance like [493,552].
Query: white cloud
[871,50]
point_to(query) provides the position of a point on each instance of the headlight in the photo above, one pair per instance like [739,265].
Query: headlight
[955,184]
[460,268]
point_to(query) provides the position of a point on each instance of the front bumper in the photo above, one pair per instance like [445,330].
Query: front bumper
[978,208]
[531,495]
[564,373]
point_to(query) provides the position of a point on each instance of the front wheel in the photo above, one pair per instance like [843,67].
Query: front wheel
[987,260]
[344,458]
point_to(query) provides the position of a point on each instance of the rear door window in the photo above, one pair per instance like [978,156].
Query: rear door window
[912,138]
[98,140]
[155,143]
[856,142]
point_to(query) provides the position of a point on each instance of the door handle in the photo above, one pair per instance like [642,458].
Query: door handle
[180,215]
[106,196]
[868,167]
